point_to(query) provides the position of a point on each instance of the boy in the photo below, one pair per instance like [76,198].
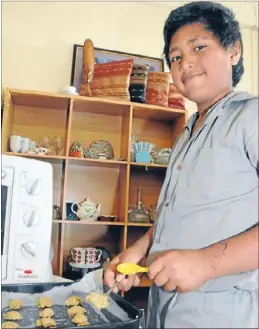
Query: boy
[203,250]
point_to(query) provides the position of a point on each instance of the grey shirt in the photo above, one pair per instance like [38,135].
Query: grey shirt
[210,192]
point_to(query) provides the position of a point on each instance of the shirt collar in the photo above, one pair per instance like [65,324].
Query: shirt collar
[216,110]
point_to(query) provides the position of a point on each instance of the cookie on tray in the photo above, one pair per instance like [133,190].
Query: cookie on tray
[46,323]
[10,324]
[80,319]
[43,302]
[46,313]
[12,315]
[14,304]
[38,323]
[73,301]
[99,300]
[72,311]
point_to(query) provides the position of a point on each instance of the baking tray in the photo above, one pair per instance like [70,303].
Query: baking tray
[61,316]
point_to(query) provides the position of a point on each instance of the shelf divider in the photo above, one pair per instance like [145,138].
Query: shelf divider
[64,185]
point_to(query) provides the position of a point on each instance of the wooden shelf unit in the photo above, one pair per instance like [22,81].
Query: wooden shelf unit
[114,184]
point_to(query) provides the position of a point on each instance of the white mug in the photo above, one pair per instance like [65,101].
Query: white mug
[15,143]
[25,145]
[92,255]
[78,255]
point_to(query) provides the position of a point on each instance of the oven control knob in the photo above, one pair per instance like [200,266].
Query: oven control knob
[33,186]
[28,250]
[31,218]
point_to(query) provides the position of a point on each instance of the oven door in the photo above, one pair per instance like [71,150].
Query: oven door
[7,175]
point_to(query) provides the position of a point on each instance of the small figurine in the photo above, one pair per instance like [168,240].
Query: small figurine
[76,150]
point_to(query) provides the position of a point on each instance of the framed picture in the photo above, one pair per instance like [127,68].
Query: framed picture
[105,56]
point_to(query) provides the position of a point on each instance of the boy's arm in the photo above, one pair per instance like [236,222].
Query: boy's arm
[235,255]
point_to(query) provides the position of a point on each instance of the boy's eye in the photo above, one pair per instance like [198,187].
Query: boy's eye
[175,59]
[200,47]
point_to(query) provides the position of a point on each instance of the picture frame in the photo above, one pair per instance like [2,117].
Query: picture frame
[104,56]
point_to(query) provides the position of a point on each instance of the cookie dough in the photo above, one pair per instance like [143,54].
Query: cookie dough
[73,300]
[43,302]
[46,313]
[12,315]
[75,310]
[46,323]
[38,323]
[14,304]
[80,319]
[10,324]
[99,300]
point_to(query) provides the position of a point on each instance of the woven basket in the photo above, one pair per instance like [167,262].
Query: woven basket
[175,99]
[112,80]
[158,88]
[138,83]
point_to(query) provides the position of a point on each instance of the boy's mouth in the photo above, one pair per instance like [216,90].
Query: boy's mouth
[189,76]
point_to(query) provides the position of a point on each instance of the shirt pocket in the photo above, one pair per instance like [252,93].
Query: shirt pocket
[219,173]
[233,176]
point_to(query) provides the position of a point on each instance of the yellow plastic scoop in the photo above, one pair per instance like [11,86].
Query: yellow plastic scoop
[131,268]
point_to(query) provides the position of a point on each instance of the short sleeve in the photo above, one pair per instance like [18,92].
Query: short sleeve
[251,135]
[252,148]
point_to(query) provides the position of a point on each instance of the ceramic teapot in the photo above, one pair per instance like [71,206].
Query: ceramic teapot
[87,210]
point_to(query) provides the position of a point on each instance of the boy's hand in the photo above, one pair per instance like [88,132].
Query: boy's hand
[133,255]
[183,270]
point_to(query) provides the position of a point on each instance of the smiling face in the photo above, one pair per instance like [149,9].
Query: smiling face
[201,68]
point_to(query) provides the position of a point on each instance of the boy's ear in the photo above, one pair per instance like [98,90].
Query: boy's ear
[235,53]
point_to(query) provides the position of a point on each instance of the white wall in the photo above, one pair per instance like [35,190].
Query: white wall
[38,37]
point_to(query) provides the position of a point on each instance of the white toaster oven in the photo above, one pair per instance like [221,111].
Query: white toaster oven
[26,219]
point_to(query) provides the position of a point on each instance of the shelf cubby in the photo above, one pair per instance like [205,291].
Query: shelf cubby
[104,184]
[34,116]
[98,121]
[91,236]
[150,180]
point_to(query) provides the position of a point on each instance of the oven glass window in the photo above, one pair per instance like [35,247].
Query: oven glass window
[6,201]
[7,175]
[4,191]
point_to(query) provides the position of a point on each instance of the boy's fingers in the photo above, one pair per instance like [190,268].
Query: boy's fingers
[128,282]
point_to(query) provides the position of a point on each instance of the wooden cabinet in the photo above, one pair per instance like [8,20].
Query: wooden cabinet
[111,183]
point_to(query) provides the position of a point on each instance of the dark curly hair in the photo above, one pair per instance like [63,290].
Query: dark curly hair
[216,18]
